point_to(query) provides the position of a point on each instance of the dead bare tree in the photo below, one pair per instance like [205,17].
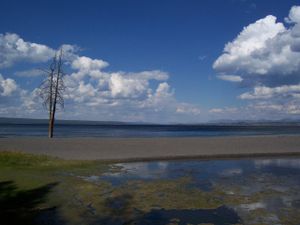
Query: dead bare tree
[52,89]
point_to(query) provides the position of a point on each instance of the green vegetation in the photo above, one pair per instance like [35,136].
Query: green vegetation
[37,188]
[24,174]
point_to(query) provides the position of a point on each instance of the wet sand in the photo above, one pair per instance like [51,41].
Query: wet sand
[143,149]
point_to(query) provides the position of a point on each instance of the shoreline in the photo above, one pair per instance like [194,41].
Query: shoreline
[157,149]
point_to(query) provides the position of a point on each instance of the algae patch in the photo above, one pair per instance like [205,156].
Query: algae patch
[42,189]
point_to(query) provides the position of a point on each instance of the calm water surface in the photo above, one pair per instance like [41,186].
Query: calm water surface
[255,191]
[75,130]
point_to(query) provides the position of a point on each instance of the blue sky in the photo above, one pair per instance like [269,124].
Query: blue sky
[154,61]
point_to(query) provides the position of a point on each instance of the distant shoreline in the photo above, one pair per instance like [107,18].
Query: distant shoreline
[224,122]
[145,149]
[146,130]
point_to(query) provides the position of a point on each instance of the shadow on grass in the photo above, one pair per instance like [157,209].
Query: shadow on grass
[21,206]
[122,212]
[218,216]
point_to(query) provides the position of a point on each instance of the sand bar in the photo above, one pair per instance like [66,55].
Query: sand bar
[134,149]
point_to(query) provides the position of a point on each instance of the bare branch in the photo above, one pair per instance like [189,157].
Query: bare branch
[52,88]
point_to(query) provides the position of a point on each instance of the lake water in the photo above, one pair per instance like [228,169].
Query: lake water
[254,191]
[76,130]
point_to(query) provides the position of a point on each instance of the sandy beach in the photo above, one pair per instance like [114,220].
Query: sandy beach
[133,149]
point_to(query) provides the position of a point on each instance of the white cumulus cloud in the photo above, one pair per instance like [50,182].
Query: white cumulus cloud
[14,49]
[88,64]
[263,92]
[265,52]
[91,91]
[7,86]
[265,58]
[126,86]
[294,15]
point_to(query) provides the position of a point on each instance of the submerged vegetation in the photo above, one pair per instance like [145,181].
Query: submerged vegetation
[37,189]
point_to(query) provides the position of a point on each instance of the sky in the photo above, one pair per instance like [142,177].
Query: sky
[171,61]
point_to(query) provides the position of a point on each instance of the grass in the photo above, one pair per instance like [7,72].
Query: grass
[27,161]
[81,202]
[39,188]
[23,174]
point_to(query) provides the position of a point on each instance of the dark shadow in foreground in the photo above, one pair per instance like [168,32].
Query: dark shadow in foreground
[122,212]
[219,216]
[21,206]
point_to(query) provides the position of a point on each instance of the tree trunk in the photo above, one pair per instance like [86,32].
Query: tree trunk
[56,70]
[58,77]
[51,126]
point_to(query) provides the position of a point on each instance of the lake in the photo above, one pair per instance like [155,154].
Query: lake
[132,130]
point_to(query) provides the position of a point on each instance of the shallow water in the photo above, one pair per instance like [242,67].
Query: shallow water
[218,216]
[206,172]
[255,191]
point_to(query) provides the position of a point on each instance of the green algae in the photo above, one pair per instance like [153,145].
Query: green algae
[80,201]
